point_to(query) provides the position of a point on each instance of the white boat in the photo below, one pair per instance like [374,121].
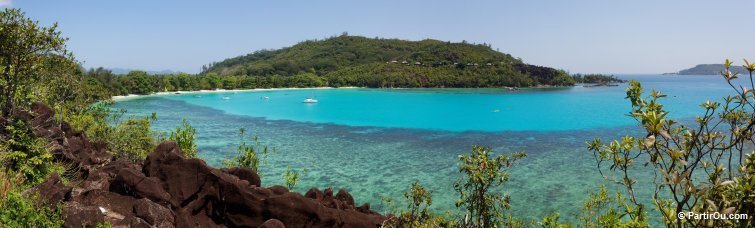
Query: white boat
[265,97]
[226,98]
[310,100]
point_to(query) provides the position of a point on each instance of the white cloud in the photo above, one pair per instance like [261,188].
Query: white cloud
[4,3]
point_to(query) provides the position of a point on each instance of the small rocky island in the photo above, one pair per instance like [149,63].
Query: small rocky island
[711,69]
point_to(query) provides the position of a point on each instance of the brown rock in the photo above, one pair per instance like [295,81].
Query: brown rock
[245,174]
[134,183]
[153,213]
[53,190]
[272,223]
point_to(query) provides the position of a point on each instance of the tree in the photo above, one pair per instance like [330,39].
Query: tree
[703,167]
[66,88]
[24,47]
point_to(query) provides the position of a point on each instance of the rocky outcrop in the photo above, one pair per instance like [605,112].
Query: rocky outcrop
[168,190]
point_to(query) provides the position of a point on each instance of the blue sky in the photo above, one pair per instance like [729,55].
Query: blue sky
[579,36]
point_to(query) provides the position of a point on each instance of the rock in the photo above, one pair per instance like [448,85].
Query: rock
[245,174]
[168,190]
[272,223]
[345,198]
[315,194]
[279,190]
[78,215]
[53,190]
[365,208]
[209,197]
[153,213]
[134,183]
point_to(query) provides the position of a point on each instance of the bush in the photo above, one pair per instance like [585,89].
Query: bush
[292,177]
[25,153]
[702,168]
[416,214]
[184,137]
[482,173]
[247,155]
[131,139]
[17,210]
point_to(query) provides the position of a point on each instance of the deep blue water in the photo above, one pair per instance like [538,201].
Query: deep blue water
[375,142]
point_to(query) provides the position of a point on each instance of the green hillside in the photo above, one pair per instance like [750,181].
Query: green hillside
[711,69]
[360,61]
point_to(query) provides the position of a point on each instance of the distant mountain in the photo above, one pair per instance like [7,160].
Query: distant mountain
[711,69]
[151,72]
[360,61]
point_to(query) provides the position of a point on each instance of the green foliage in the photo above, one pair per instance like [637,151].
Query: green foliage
[17,210]
[25,48]
[291,177]
[104,225]
[131,138]
[345,61]
[707,167]
[184,137]
[551,221]
[416,214]
[596,78]
[20,210]
[248,155]
[22,152]
[482,172]
[602,210]
[322,57]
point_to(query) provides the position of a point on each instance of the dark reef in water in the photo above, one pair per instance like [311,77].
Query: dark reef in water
[168,190]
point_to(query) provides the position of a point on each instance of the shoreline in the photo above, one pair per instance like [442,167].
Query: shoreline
[205,91]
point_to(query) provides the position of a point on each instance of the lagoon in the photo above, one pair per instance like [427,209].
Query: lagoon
[375,142]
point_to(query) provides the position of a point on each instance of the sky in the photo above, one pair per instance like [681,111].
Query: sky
[590,36]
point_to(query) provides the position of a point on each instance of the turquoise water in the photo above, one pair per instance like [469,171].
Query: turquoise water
[375,142]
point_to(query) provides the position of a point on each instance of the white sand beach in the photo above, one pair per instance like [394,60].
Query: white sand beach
[134,96]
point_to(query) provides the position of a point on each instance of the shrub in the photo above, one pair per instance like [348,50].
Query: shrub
[131,139]
[482,173]
[418,198]
[184,137]
[18,210]
[22,152]
[292,177]
[247,154]
[702,167]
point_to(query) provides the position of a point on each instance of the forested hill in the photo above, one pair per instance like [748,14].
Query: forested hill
[711,69]
[359,61]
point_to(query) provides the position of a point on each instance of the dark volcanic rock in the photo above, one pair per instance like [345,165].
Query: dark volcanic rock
[53,190]
[245,174]
[272,223]
[209,197]
[168,190]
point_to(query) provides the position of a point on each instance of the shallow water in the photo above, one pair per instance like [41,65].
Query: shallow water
[375,142]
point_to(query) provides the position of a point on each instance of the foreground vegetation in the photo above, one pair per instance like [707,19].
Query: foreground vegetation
[704,167]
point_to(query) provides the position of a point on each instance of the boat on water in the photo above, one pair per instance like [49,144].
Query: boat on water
[226,98]
[310,100]
[265,97]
